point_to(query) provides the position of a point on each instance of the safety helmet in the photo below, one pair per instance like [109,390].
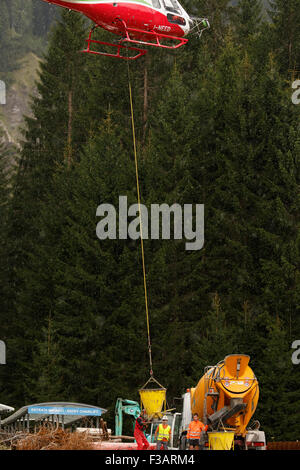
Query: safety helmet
[165,418]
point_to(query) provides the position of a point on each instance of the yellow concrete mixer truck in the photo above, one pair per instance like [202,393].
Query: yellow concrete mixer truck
[225,399]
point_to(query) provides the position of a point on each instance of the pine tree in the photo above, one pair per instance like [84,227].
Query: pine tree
[6,174]
[15,33]
[42,17]
[51,139]
[166,175]
[248,18]
[5,180]
[216,154]
[273,371]
[286,33]
[96,319]
[242,202]
[214,126]
[215,338]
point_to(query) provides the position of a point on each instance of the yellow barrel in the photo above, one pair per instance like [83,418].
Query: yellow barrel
[221,440]
[153,401]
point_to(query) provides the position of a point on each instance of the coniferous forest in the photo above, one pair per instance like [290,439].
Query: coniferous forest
[215,125]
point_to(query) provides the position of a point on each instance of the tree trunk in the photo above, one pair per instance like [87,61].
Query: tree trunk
[70,120]
[145,108]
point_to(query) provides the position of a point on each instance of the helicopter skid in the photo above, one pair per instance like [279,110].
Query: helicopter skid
[118,54]
[119,48]
[138,36]
[151,38]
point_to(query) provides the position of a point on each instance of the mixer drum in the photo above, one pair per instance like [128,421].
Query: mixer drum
[229,392]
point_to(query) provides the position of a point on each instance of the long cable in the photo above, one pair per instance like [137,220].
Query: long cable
[140,217]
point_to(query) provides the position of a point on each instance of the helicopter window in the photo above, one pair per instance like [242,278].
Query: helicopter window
[156,3]
[176,19]
[172,5]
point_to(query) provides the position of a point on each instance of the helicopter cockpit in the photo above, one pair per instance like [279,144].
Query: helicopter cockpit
[172,6]
[173,10]
[176,14]
[168,5]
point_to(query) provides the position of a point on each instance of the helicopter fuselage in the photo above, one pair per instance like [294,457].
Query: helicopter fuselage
[162,16]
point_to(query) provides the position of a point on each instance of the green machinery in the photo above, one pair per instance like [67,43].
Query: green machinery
[128,407]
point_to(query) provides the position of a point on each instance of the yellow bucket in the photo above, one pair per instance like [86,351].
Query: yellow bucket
[221,440]
[153,401]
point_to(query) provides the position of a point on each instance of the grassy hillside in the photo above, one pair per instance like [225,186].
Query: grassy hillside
[21,87]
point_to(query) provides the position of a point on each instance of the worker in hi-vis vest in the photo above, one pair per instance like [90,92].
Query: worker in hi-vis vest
[196,427]
[163,434]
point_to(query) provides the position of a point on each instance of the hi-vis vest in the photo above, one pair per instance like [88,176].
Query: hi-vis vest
[163,433]
[195,428]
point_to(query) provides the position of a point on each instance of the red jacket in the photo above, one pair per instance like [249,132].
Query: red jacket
[140,424]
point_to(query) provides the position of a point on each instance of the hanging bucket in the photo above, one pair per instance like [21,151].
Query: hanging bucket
[221,440]
[153,400]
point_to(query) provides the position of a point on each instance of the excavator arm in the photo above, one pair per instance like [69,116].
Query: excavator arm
[124,406]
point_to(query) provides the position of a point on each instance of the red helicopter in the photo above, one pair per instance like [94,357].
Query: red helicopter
[158,23]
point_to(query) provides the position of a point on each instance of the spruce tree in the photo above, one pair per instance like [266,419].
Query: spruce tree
[273,370]
[52,137]
[242,201]
[5,181]
[241,143]
[285,16]
[214,126]
[166,176]
[248,18]
[214,338]
[42,17]
[97,317]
